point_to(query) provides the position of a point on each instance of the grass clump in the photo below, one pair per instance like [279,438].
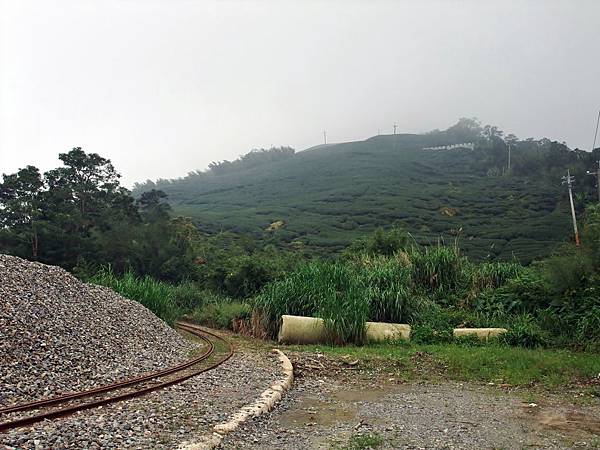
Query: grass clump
[158,296]
[330,290]
[221,314]
[361,442]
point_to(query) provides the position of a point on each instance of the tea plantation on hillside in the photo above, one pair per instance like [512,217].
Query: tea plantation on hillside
[329,195]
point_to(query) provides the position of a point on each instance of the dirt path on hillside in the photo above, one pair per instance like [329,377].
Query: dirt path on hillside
[347,410]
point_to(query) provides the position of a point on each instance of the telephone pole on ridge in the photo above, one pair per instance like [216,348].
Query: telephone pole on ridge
[325,137]
[568,180]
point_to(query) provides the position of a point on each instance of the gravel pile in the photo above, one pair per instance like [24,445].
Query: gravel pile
[58,334]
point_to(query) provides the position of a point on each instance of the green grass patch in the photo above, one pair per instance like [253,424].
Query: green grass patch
[489,363]
[361,442]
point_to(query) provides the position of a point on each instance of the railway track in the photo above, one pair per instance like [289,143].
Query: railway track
[67,404]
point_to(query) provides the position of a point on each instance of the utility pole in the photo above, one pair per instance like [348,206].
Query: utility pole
[325,137]
[596,133]
[597,175]
[395,126]
[569,182]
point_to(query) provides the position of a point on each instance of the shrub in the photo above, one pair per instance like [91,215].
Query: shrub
[188,296]
[381,242]
[221,314]
[527,292]
[244,275]
[568,271]
[428,334]
[588,329]
[525,332]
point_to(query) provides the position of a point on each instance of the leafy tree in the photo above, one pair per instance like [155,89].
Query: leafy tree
[21,213]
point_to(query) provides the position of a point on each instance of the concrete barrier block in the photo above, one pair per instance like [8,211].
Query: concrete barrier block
[481,333]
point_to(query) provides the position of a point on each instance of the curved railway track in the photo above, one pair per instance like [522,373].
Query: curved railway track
[136,386]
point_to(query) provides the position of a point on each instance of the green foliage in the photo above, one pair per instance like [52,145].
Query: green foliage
[221,313]
[428,334]
[588,328]
[525,332]
[388,288]
[438,269]
[159,297]
[330,290]
[525,293]
[240,276]
[381,242]
[591,232]
[568,270]
[79,215]
[494,362]
[361,442]
[491,275]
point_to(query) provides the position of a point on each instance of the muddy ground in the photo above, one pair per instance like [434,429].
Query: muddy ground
[337,404]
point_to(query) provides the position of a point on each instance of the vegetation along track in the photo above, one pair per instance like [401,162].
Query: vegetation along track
[141,385]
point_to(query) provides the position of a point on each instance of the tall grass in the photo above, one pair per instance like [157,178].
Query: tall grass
[427,286]
[159,297]
[438,268]
[389,288]
[330,290]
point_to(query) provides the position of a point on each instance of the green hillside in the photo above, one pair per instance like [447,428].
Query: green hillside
[329,195]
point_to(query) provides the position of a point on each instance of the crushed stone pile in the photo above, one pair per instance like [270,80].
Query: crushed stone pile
[58,334]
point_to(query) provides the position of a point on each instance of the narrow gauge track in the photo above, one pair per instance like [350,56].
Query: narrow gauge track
[130,382]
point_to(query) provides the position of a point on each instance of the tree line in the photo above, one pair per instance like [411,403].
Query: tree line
[79,214]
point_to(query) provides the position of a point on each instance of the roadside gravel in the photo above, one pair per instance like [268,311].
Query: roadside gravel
[340,410]
[58,334]
[162,419]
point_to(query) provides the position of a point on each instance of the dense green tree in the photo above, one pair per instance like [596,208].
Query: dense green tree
[21,212]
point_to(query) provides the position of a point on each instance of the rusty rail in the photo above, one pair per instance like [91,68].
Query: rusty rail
[190,328]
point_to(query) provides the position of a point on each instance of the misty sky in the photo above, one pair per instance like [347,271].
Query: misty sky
[162,87]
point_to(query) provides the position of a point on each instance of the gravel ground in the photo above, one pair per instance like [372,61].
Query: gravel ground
[58,334]
[162,419]
[333,411]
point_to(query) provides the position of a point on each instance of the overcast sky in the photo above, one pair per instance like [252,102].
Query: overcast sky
[162,87]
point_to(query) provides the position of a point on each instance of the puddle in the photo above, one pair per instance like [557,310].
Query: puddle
[342,407]
[312,412]
[363,395]
[369,395]
[564,420]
